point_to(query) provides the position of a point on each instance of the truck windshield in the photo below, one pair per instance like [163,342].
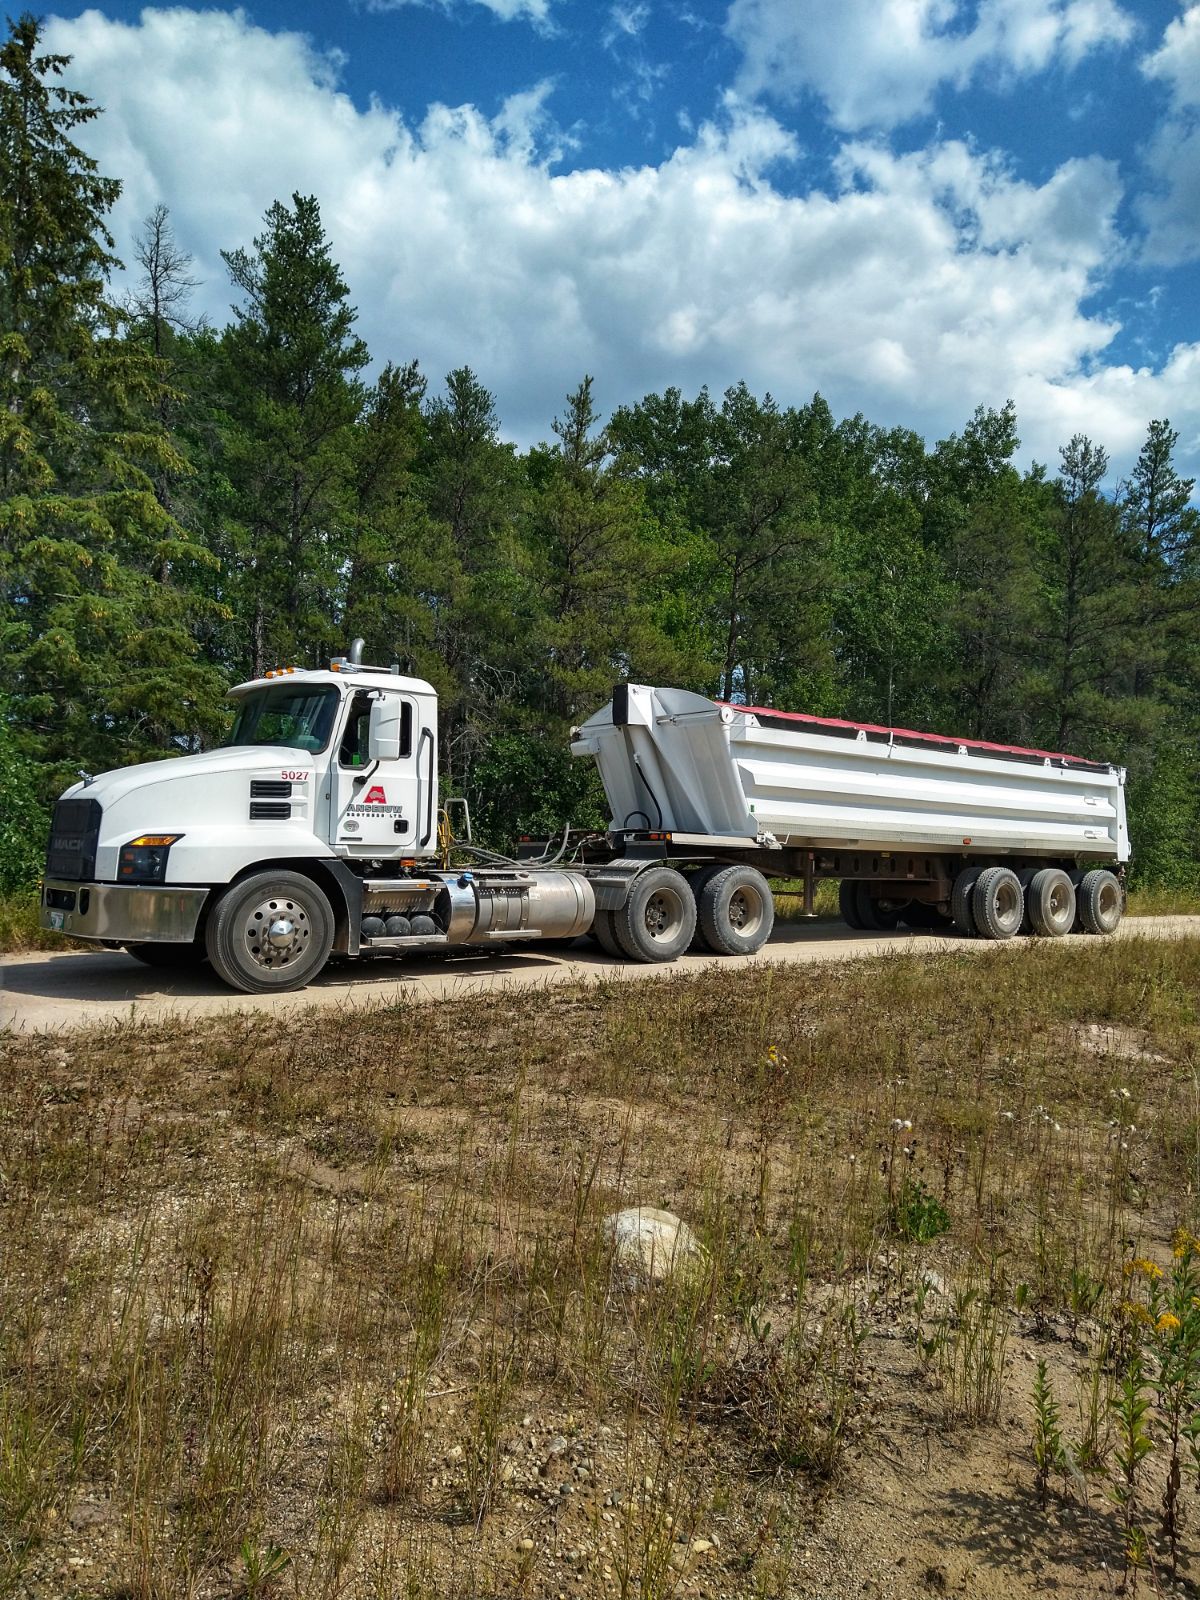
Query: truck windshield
[291,714]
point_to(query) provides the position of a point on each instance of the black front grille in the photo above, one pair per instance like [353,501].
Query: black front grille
[270,788]
[74,836]
[269,810]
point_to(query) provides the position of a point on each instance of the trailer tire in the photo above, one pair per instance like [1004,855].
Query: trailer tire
[879,914]
[1050,903]
[1101,901]
[848,904]
[736,911]
[998,903]
[270,933]
[657,921]
[961,913]
[602,932]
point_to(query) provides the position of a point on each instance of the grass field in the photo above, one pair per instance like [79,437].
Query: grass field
[325,1308]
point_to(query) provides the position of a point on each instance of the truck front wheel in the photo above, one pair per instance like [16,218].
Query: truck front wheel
[270,933]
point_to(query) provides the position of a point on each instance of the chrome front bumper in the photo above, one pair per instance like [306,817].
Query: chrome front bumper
[122,913]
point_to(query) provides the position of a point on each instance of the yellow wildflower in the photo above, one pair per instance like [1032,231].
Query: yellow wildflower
[1184,1244]
[1167,1322]
[1142,1268]
[1135,1311]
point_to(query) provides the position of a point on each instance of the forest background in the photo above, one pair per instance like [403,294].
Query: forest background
[182,507]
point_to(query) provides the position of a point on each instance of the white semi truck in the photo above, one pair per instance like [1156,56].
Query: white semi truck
[316,829]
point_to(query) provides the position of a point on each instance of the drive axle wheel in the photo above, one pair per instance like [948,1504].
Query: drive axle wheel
[270,933]
[657,921]
[736,911]
[602,932]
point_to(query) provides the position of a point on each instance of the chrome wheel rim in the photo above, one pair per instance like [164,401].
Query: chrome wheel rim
[276,932]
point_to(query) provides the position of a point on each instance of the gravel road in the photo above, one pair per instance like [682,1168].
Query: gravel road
[72,989]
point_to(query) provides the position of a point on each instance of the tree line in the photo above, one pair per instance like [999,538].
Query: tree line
[183,506]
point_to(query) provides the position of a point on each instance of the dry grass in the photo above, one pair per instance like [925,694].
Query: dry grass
[322,1308]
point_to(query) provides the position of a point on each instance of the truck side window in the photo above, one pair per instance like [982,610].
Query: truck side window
[353,752]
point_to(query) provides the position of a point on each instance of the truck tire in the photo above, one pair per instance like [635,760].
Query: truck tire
[961,913]
[1101,901]
[696,881]
[657,921]
[998,903]
[736,911]
[878,914]
[1050,903]
[848,904]
[602,932]
[177,957]
[270,933]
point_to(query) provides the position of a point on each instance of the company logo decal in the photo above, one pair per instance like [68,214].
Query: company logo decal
[375,796]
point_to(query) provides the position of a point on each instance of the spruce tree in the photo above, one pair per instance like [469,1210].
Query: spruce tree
[291,401]
[97,577]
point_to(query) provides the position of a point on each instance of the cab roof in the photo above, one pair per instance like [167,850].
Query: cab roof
[356,677]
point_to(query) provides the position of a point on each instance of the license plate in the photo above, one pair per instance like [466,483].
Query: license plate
[57,919]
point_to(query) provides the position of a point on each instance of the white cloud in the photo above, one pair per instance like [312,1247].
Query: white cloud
[535,11]
[1172,213]
[913,289]
[878,63]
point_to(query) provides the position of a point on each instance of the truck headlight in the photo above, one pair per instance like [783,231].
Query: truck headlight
[144,859]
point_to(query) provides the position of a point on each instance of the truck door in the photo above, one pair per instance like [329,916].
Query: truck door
[374,798]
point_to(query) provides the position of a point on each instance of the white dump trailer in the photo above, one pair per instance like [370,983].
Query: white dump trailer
[317,830]
[916,826]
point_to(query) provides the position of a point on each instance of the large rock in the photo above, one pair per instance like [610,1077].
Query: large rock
[650,1245]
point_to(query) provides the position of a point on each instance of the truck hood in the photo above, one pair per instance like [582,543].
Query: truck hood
[267,761]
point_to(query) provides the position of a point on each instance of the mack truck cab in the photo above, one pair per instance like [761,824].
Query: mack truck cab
[312,829]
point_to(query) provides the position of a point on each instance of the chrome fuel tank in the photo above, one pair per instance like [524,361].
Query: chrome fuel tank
[557,905]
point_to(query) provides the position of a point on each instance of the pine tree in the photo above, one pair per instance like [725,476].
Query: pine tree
[292,400]
[98,579]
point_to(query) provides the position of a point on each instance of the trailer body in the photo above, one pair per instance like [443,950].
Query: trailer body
[673,762]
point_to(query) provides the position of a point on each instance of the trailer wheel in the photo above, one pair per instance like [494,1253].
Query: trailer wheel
[1050,902]
[848,904]
[736,911]
[998,903]
[602,932]
[961,912]
[657,921]
[1101,901]
[270,933]
[879,914]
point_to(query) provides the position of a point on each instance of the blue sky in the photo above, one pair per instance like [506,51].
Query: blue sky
[915,206]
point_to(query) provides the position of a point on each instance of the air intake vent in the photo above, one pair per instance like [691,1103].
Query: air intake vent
[270,810]
[269,788]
